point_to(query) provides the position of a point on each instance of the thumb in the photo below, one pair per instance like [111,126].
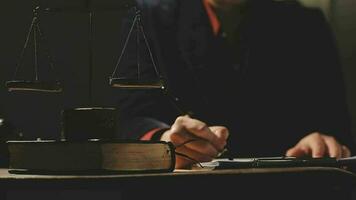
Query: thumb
[297,151]
[220,131]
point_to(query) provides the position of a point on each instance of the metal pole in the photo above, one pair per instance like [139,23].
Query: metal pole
[90,52]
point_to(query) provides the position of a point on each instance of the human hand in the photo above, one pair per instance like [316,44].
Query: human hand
[319,145]
[205,142]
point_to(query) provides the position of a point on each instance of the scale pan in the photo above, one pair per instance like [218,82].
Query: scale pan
[137,84]
[35,86]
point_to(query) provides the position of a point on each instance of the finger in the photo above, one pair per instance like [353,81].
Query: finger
[298,151]
[179,137]
[192,156]
[318,149]
[333,147]
[197,128]
[317,145]
[222,133]
[178,133]
[201,146]
[345,152]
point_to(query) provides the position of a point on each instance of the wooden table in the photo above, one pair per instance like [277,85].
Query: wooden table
[268,183]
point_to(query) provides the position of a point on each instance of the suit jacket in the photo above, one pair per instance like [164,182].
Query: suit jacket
[283,81]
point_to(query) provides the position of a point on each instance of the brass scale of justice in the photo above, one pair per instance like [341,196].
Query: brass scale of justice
[36,34]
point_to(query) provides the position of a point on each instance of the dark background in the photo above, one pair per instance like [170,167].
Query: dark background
[38,114]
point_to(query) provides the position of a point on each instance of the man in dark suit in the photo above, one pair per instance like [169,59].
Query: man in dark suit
[261,76]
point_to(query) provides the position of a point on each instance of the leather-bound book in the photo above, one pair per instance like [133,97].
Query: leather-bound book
[90,157]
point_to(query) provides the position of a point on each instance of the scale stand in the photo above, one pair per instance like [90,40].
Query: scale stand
[138,83]
[34,85]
